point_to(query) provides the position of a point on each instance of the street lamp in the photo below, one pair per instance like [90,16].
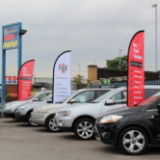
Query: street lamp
[79,69]
[120,54]
[156,49]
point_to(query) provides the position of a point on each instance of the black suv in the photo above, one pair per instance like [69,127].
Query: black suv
[133,129]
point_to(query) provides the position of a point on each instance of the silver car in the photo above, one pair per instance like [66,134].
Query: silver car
[23,113]
[81,118]
[44,115]
[10,107]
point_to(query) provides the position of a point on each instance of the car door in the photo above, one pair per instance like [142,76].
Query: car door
[157,120]
[152,115]
[119,102]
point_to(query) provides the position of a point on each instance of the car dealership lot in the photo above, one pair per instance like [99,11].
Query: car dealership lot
[19,142]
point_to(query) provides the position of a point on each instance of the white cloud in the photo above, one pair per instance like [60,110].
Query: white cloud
[93,29]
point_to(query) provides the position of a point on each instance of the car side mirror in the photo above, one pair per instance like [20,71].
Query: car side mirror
[72,101]
[110,102]
[50,101]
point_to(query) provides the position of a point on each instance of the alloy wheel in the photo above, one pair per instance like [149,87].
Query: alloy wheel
[85,129]
[32,123]
[133,141]
[53,125]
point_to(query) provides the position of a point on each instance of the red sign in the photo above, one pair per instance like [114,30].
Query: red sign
[136,69]
[25,80]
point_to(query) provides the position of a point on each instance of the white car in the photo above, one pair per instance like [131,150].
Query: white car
[44,115]
[81,118]
[10,107]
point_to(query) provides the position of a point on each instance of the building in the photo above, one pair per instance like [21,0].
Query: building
[95,73]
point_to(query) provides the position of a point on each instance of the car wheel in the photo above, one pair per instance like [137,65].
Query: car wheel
[84,128]
[133,140]
[30,122]
[51,124]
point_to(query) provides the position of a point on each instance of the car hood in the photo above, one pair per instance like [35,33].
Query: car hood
[14,104]
[76,105]
[33,104]
[49,107]
[126,111]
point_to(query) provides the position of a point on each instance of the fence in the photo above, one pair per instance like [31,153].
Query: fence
[121,84]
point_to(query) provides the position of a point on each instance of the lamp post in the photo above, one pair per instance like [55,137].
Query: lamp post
[156,49]
[120,54]
[79,69]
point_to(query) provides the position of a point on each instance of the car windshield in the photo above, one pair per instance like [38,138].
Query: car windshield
[42,96]
[104,96]
[149,101]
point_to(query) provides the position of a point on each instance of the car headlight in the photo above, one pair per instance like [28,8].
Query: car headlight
[110,119]
[21,108]
[64,113]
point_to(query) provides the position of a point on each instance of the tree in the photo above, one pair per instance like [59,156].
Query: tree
[79,81]
[118,63]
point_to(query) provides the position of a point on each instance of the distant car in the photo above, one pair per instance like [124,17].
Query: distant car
[44,115]
[0,97]
[23,113]
[133,129]
[10,107]
[81,118]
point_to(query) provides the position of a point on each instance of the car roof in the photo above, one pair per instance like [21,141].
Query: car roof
[90,89]
[145,86]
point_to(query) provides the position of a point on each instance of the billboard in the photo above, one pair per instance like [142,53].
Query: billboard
[61,77]
[25,76]
[136,70]
[11,36]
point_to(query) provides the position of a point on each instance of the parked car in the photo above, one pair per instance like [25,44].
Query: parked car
[44,115]
[23,113]
[80,119]
[132,130]
[9,108]
[0,96]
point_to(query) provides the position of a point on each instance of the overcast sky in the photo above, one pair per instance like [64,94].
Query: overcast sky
[95,30]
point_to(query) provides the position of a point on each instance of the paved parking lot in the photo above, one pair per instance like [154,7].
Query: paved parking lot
[19,142]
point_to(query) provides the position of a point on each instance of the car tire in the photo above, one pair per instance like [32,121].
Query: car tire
[29,120]
[84,128]
[133,141]
[51,124]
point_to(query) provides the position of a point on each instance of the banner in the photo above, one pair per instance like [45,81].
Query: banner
[61,77]
[136,70]
[25,76]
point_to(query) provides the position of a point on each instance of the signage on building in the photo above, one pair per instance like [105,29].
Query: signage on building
[107,81]
[11,79]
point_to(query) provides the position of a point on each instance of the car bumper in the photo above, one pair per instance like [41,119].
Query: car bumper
[64,123]
[38,118]
[107,133]
[20,117]
[9,114]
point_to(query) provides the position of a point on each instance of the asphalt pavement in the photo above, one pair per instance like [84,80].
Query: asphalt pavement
[20,142]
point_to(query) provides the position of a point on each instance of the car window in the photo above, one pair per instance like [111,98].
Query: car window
[83,97]
[120,97]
